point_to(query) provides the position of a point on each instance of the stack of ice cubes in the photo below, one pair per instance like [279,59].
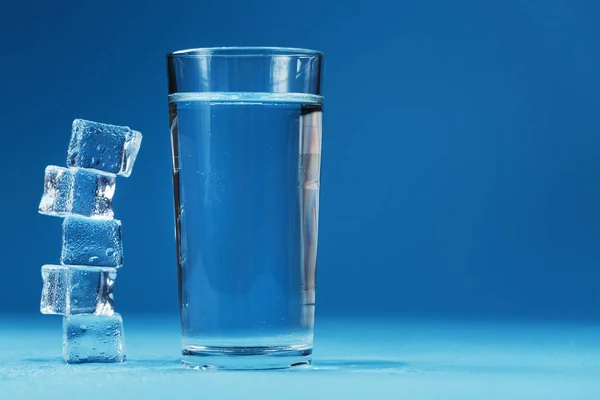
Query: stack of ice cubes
[81,287]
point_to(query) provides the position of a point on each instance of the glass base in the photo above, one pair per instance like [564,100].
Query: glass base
[246,358]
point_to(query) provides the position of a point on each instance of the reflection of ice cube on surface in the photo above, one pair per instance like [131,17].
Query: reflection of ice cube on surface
[91,242]
[77,191]
[93,338]
[54,289]
[105,147]
[77,289]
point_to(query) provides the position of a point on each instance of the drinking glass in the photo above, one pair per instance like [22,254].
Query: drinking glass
[246,144]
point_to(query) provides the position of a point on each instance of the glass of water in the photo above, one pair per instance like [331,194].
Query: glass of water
[246,145]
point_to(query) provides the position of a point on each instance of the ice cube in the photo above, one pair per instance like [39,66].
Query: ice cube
[104,147]
[54,289]
[90,290]
[91,338]
[91,242]
[77,289]
[77,191]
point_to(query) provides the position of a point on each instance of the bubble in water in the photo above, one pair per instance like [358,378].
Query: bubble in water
[109,252]
[93,258]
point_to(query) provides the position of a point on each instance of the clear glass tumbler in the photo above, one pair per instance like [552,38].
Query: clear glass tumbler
[246,144]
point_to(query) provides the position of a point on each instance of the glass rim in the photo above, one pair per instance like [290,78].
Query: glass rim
[244,51]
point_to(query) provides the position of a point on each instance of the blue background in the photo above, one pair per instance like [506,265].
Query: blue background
[461,176]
